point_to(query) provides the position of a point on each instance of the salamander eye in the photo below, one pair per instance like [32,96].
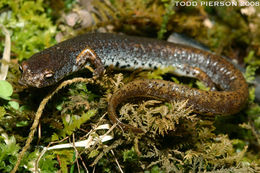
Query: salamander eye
[21,69]
[48,74]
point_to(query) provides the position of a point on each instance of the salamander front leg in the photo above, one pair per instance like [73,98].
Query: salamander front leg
[89,55]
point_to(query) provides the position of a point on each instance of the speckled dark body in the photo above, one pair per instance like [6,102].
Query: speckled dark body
[135,52]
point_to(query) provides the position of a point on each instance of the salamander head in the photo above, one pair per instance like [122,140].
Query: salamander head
[38,71]
[51,65]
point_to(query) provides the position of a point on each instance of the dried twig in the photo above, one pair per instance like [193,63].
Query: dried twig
[6,54]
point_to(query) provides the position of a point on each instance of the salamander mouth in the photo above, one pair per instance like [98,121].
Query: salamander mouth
[21,82]
[27,81]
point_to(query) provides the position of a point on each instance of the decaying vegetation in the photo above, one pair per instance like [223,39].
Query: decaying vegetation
[176,140]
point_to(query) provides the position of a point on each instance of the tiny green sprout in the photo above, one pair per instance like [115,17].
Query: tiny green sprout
[2,112]
[202,86]
[22,124]
[14,104]
[6,90]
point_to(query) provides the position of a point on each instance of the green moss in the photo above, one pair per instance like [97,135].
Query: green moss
[176,140]
[31,29]
[169,4]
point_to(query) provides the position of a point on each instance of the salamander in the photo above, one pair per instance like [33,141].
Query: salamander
[104,49]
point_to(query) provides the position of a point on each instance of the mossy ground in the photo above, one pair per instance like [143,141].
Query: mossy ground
[176,139]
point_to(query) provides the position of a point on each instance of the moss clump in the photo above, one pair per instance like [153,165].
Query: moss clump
[32,29]
[175,140]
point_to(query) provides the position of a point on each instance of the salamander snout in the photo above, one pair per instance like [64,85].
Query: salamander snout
[35,77]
